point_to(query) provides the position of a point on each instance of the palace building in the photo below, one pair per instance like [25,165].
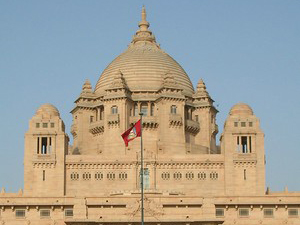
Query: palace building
[188,178]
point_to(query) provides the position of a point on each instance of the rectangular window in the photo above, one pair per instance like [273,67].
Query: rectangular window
[91,119]
[45,125]
[146,179]
[219,212]
[37,125]
[293,212]
[236,124]
[44,175]
[114,110]
[45,213]
[51,125]
[244,144]
[268,213]
[144,109]
[136,110]
[244,212]
[197,118]
[20,213]
[250,124]
[68,212]
[44,145]
[243,124]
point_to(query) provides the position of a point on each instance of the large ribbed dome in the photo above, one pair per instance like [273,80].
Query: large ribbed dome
[144,65]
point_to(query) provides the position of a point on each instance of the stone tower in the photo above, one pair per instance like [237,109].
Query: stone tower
[242,144]
[46,145]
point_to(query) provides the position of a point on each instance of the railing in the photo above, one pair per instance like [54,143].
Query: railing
[148,121]
[192,126]
[74,129]
[97,127]
[113,119]
[175,119]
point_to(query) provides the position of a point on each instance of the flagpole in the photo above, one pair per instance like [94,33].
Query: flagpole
[142,171]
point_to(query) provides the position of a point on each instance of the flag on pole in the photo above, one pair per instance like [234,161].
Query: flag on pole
[132,133]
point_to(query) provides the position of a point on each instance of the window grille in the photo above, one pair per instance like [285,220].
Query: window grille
[189,175]
[44,213]
[165,176]
[111,176]
[68,212]
[293,212]
[98,176]
[20,213]
[74,176]
[86,176]
[213,175]
[268,212]
[177,176]
[201,175]
[243,212]
[123,176]
[219,212]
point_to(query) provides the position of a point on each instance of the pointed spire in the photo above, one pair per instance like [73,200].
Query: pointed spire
[143,33]
[144,24]
[87,87]
[118,81]
[2,190]
[201,88]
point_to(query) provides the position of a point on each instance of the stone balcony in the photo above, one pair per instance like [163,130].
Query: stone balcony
[175,119]
[148,121]
[215,128]
[74,129]
[113,119]
[97,127]
[192,126]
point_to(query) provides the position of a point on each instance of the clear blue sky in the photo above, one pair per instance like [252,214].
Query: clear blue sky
[246,51]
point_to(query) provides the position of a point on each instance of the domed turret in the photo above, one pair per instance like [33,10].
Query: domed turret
[241,109]
[144,65]
[47,109]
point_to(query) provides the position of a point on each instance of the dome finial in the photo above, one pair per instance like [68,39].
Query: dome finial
[87,87]
[143,33]
[144,15]
[144,25]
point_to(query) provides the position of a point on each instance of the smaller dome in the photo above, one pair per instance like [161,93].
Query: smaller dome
[241,109]
[47,109]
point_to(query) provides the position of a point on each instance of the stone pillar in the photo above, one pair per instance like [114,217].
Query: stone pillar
[40,145]
[149,109]
[139,108]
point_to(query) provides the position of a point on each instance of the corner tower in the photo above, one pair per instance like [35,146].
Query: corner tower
[46,145]
[242,144]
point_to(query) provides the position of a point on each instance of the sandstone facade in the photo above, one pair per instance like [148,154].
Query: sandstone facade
[188,178]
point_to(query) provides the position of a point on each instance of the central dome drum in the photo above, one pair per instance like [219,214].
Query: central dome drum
[144,65]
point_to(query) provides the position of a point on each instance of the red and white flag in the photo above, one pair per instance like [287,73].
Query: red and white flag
[132,133]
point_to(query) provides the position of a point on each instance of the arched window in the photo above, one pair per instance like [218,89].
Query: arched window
[114,109]
[152,109]
[144,109]
[173,109]
[136,110]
